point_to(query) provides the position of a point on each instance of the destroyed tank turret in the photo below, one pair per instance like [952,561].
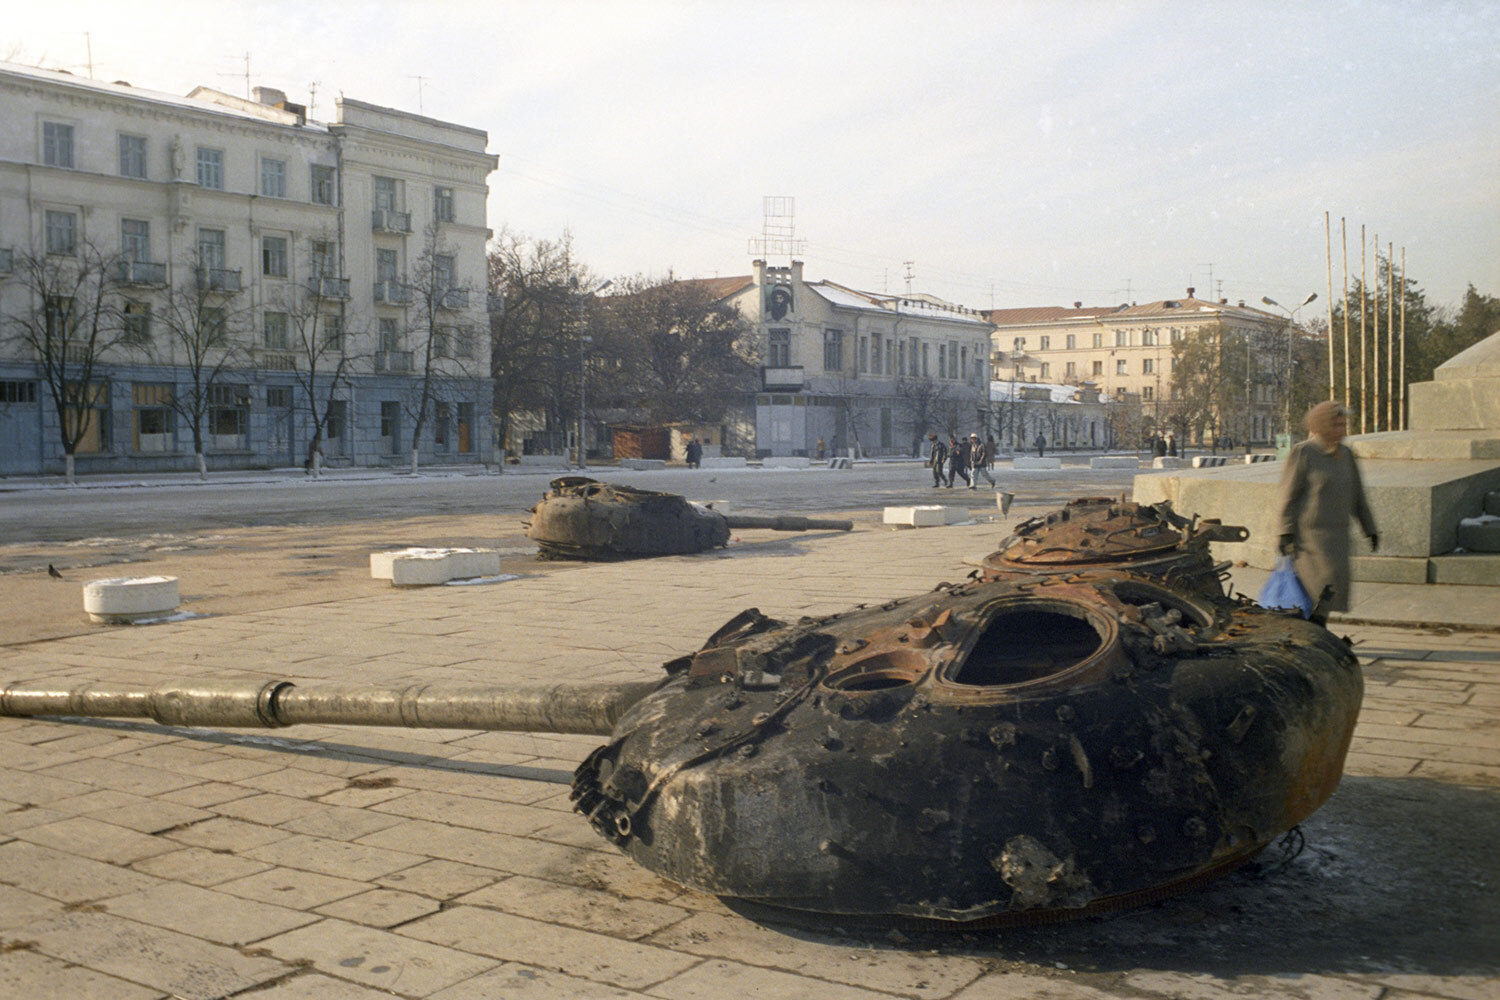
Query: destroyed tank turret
[582,518]
[1101,532]
[996,751]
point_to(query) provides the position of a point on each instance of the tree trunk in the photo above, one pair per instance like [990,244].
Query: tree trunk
[68,469]
[202,467]
[414,454]
[317,463]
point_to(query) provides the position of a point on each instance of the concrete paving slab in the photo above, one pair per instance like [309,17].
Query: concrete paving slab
[214,916]
[25,973]
[377,958]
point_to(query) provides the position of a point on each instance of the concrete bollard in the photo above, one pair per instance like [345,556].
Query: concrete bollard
[125,599]
[926,516]
[418,567]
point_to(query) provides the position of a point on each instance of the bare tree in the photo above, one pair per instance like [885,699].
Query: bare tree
[320,339]
[927,405]
[446,354]
[204,322]
[69,321]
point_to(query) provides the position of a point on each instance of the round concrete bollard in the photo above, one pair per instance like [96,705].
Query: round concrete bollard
[126,599]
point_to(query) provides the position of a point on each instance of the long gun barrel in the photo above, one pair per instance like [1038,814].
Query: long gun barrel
[786,522]
[591,709]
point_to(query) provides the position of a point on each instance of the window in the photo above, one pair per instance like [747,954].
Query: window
[890,356]
[213,323]
[1174,364]
[1098,340]
[1122,338]
[1046,370]
[1148,338]
[228,415]
[322,185]
[153,416]
[132,156]
[385,194]
[465,428]
[211,168]
[875,355]
[390,424]
[92,420]
[1146,392]
[1176,335]
[900,357]
[778,348]
[442,204]
[333,427]
[390,336]
[1122,367]
[278,397]
[1046,343]
[442,272]
[61,232]
[57,315]
[963,361]
[864,354]
[136,323]
[211,248]
[135,239]
[323,259]
[17,392]
[952,360]
[273,178]
[385,265]
[333,332]
[442,414]
[942,360]
[1071,372]
[275,331]
[926,353]
[1148,366]
[273,256]
[1098,368]
[57,144]
[1018,344]
[1072,341]
[463,343]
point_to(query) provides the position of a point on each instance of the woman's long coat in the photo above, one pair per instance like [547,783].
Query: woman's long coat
[1320,492]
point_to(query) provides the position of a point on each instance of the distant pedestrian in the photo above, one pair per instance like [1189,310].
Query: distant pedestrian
[1320,492]
[1041,446]
[937,458]
[1171,444]
[1158,446]
[822,450]
[989,451]
[694,454]
[979,462]
[958,460]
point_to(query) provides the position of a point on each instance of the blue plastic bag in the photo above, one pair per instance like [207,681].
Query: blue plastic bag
[1284,590]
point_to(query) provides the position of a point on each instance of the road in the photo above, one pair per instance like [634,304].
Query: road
[155,505]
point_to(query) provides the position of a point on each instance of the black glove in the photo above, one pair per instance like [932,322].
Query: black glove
[1288,545]
[1374,542]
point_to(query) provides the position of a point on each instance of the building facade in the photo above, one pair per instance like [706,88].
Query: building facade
[860,371]
[285,272]
[1126,352]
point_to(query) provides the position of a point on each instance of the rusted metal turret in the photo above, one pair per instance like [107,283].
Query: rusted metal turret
[1102,532]
[582,518]
[1023,748]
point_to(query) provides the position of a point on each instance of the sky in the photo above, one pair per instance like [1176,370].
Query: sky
[1015,153]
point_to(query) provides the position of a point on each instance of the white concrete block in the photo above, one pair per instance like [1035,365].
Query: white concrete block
[926,516]
[543,461]
[728,462]
[785,462]
[1031,462]
[418,567]
[129,598]
[1166,462]
[642,464]
[1114,462]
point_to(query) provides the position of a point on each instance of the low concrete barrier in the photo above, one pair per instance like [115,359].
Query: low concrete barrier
[1267,457]
[543,461]
[1024,462]
[841,463]
[727,462]
[1114,462]
[642,464]
[926,516]
[786,462]
[418,567]
[1166,462]
[1209,461]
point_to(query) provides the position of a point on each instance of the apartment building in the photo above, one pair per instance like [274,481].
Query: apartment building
[859,370]
[341,265]
[1126,352]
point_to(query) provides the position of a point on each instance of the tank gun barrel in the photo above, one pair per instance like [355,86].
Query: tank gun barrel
[590,709]
[786,522]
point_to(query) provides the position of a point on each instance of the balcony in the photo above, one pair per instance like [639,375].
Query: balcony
[140,272]
[7,261]
[328,288]
[276,361]
[393,361]
[786,378]
[219,279]
[388,220]
[392,292]
[454,299]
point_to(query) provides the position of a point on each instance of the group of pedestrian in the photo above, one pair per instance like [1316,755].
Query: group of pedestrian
[960,458]
[1164,447]
[694,455]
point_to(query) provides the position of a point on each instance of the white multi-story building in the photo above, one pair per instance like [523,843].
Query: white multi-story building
[859,370]
[346,260]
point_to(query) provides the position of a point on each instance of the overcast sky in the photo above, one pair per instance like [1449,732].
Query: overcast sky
[1016,153]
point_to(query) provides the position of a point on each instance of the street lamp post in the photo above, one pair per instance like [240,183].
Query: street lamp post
[584,340]
[1291,320]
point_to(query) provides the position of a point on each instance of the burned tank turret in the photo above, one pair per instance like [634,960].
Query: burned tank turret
[1101,532]
[582,518]
[999,751]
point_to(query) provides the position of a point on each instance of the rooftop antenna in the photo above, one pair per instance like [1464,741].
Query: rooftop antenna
[312,99]
[88,46]
[1127,291]
[1210,277]
[420,81]
[908,276]
[245,74]
[778,230]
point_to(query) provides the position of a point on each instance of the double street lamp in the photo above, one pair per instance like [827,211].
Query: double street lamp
[584,340]
[1291,322]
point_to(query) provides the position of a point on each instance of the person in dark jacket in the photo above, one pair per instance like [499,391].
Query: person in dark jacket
[979,462]
[958,460]
[694,454]
[1320,491]
[1158,446]
[937,458]
[1041,446]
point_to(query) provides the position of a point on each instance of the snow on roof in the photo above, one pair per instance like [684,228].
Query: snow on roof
[889,305]
[1000,391]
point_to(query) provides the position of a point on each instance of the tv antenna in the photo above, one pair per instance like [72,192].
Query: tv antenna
[245,75]
[908,275]
[778,231]
[421,80]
